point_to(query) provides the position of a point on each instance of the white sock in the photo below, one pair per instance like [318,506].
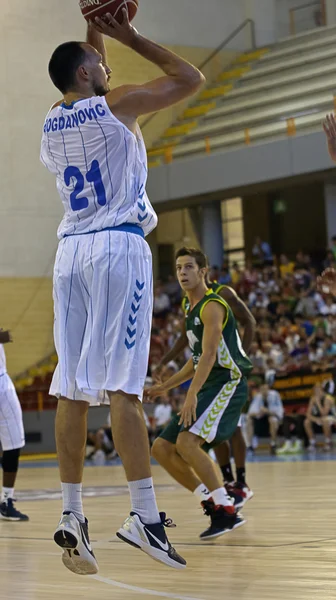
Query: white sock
[72,499]
[143,500]
[202,492]
[6,493]
[221,497]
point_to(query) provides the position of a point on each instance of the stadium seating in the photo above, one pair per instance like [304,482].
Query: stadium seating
[265,94]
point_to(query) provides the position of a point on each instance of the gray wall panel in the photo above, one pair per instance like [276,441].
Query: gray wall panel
[239,167]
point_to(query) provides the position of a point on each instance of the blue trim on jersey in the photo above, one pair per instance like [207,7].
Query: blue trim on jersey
[127,227]
[70,106]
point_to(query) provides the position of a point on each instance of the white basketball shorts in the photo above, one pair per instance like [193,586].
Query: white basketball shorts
[103,297]
[11,425]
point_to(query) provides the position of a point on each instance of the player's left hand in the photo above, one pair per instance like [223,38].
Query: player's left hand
[188,412]
[153,392]
[122,32]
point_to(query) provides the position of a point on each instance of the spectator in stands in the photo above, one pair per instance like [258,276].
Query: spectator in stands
[294,434]
[286,267]
[321,415]
[266,408]
[161,302]
[329,259]
[224,276]
[262,253]
[173,290]
[236,275]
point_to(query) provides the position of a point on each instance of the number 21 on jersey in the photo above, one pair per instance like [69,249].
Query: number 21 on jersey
[92,176]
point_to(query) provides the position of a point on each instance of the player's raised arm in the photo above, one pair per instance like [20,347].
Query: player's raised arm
[181,79]
[96,39]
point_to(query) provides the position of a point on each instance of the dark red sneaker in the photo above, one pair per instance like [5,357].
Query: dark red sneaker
[240,493]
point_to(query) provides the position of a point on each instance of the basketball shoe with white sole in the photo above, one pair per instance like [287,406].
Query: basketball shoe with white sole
[151,539]
[73,537]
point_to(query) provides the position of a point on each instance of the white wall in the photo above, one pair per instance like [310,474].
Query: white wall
[189,22]
[263,12]
[30,209]
[304,19]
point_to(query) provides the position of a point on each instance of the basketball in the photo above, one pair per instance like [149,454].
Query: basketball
[98,8]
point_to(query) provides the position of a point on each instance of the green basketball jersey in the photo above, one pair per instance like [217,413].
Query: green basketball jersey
[214,286]
[231,361]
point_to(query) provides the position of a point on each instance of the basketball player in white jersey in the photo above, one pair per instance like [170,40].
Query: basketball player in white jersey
[103,272]
[12,437]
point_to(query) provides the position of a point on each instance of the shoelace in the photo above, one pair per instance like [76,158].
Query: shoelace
[169,523]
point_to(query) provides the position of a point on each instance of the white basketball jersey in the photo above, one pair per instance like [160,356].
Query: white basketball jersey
[2,361]
[100,168]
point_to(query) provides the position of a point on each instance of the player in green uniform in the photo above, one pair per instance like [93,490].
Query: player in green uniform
[161,451]
[217,394]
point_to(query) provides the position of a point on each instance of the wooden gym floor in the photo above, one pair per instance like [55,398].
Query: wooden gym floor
[287,549]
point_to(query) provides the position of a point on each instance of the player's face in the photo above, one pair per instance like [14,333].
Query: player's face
[189,274]
[99,73]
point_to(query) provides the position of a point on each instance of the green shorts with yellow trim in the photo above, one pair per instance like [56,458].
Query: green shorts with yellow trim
[218,410]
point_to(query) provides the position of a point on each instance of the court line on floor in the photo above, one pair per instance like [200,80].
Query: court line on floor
[200,544]
[140,590]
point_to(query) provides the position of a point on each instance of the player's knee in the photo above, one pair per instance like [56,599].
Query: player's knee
[10,460]
[162,449]
[186,443]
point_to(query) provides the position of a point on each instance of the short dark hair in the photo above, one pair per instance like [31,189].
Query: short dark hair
[64,63]
[198,255]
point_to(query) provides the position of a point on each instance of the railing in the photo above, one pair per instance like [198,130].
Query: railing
[311,14]
[216,53]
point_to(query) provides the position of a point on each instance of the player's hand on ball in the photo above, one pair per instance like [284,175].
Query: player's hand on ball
[123,33]
[188,412]
[329,126]
[326,283]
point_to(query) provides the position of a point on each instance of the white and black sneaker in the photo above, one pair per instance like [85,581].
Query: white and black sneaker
[73,537]
[151,539]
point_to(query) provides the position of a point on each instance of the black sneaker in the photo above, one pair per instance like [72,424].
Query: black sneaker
[222,521]
[8,511]
[151,539]
[73,537]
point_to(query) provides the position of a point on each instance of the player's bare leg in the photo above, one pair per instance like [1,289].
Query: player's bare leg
[72,532]
[167,456]
[144,529]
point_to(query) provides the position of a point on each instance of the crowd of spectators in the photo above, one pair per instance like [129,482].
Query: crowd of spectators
[296,324]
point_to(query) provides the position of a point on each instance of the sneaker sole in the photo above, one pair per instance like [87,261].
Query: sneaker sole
[76,563]
[241,504]
[216,535]
[158,555]
[12,519]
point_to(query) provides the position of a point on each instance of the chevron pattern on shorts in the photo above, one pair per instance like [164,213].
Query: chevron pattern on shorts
[133,315]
